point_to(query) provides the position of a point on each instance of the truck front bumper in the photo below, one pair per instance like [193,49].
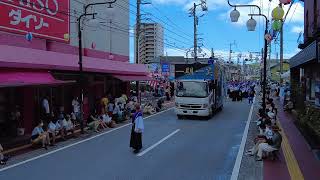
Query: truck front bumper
[192,112]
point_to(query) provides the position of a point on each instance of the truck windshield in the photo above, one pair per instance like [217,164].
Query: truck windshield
[192,89]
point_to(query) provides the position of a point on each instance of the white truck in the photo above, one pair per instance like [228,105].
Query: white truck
[199,97]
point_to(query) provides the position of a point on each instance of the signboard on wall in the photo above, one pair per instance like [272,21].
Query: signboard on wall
[201,71]
[165,68]
[48,19]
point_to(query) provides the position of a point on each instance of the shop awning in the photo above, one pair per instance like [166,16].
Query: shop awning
[307,54]
[18,57]
[15,79]
[133,78]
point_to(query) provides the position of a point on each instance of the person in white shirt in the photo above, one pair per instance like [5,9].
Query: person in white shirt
[52,131]
[107,120]
[46,111]
[45,105]
[76,107]
[117,114]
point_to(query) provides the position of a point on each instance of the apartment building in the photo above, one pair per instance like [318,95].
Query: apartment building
[151,43]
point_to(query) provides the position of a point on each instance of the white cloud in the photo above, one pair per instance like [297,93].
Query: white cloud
[169,1]
[211,4]
[291,54]
[297,29]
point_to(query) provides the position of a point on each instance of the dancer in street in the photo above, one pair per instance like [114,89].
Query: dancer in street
[137,130]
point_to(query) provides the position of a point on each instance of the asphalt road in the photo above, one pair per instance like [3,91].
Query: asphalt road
[181,149]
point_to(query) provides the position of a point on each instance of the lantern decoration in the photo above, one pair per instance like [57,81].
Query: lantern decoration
[66,37]
[268,37]
[93,45]
[110,12]
[285,2]
[234,15]
[277,13]
[251,24]
[29,36]
[276,25]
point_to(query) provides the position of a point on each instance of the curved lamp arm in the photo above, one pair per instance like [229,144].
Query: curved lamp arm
[93,4]
[267,21]
[249,5]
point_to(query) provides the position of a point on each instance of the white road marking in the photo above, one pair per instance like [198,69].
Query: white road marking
[158,113]
[70,145]
[237,165]
[159,142]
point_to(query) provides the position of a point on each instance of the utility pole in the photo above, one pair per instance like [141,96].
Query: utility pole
[195,23]
[269,62]
[281,53]
[137,46]
[230,52]
[212,53]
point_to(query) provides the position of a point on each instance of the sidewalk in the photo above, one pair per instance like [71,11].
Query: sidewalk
[300,159]
[296,160]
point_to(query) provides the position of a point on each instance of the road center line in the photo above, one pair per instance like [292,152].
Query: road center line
[237,165]
[159,142]
[70,145]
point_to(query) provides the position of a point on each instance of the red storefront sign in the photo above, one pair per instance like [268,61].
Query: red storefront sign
[48,19]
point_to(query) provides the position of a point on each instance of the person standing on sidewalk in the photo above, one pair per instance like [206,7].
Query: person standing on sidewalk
[137,130]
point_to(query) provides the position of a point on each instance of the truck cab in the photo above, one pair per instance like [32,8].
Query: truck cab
[194,97]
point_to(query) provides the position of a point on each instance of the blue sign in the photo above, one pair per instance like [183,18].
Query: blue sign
[165,68]
[205,73]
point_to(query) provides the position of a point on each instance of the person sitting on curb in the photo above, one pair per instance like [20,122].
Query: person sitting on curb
[268,147]
[70,126]
[3,158]
[102,123]
[39,135]
[93,122]
[149,109]
[107,120]
[265,138]
[52,132]
[117,114]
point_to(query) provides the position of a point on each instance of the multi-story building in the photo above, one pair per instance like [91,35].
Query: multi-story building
[305,74]
[39,58]
[304,66]
[151,41]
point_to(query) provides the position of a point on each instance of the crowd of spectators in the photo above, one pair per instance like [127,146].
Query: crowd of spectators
[268,140]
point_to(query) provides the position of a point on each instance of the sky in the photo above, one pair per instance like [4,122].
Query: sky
[216,29]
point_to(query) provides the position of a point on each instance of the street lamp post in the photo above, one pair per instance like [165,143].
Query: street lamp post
[81,79]
[234,15]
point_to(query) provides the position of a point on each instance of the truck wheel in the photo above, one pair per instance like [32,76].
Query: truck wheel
[179,116]
[211,114]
